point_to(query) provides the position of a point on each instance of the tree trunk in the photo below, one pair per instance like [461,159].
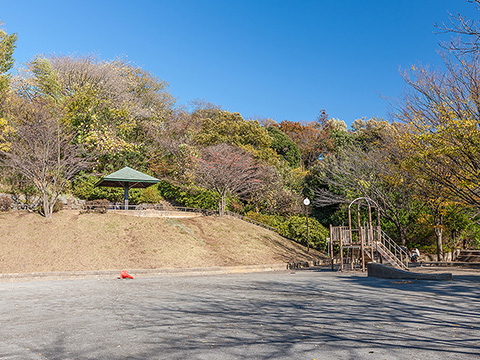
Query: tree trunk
[403,235]
[222,205]
[439,235]
[454,239]
[47,208]
[402,231]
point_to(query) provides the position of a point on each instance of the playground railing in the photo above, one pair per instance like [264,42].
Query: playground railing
[395,249]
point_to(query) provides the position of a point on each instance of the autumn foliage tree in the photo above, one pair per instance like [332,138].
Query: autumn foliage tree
[442,112]
[115,108]
[308,137]
[227,170]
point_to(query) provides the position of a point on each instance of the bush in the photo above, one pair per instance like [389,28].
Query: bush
[191,197]
[150,195]
[271,220]
[5,203]
[85,189]
[295,227]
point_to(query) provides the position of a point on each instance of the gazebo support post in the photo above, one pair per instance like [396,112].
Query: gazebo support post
[126,187]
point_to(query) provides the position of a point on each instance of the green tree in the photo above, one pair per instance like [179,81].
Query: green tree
[284,146]
[224,127]
[7,47]
[376,173]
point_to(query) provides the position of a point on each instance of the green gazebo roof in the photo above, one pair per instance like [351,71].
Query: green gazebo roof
[128,177]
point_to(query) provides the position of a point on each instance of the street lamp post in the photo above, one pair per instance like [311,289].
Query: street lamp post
[306,202]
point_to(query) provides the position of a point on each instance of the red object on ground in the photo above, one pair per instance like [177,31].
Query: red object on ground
[125,275]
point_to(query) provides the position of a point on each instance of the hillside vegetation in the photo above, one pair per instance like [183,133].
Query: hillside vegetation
[68,120]
[70,241]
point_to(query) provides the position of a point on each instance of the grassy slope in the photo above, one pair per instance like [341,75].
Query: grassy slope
[69,241]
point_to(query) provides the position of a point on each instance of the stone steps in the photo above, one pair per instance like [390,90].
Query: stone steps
[469,256]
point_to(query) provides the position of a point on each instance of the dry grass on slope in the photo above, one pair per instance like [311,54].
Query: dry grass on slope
[73,242]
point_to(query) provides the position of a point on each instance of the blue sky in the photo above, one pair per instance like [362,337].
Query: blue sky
[280,59]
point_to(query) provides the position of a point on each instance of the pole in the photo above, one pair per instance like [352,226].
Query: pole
[370,231]
[350,226]
[330,245]
[126,195]
[341,249]
[308,233]
[362,244]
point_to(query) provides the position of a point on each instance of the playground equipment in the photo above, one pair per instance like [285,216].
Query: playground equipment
[358,244]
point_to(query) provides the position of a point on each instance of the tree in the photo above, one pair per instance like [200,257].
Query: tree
[442,112]
[376,174]
[428,174]
[43,152]
[114,108]
[317,139]
[467,30]
[367,134]
[274,195]
[284,146]
[309,139]
[7,47]
[227,170]
[220,126]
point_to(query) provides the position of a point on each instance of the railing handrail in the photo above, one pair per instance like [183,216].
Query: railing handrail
[141,207]
[394,260]
[394,245]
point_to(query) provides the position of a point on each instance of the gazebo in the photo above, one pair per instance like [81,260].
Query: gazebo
[127,178]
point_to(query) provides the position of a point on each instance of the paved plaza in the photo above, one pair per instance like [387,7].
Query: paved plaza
[310,314]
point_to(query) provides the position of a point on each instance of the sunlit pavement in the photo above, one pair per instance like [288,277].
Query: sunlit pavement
[277,315]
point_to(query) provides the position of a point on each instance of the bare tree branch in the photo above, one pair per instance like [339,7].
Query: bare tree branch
[43,153]
[227,170]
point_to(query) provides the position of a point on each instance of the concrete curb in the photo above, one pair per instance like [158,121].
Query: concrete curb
[113,274]
[387,272]
[464,264]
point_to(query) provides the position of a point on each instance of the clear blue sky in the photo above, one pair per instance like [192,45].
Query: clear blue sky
[280,59]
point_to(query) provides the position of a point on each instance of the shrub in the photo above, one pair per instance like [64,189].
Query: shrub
[191,197]
[150,195]
[295,227]
[5,203]
[84,188]
[58,206]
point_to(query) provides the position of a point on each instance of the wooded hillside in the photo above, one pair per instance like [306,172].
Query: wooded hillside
[65,121]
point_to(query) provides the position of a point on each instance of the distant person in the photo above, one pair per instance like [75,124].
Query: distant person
[414,255]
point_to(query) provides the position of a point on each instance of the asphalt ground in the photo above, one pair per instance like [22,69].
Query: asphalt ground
[307,314]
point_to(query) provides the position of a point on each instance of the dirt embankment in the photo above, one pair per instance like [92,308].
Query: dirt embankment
[73,242]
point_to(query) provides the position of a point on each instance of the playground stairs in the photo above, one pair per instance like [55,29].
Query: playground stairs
[389,256]
[468,256]
[376,244]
